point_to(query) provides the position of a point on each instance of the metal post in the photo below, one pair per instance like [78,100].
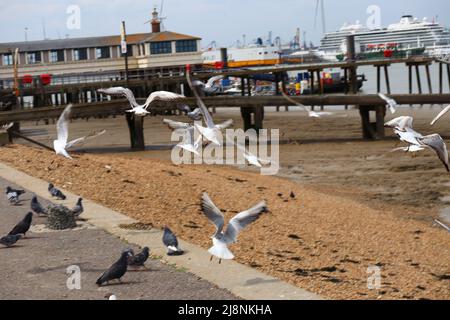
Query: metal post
[125,50]
[378,79]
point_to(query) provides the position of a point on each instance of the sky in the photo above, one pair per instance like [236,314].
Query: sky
[223,21]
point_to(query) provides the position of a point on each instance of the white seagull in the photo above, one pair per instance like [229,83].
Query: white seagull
[189,130]
[436,143]
[222,239]
[392,104]
[210,87]
[311,114]
[211,132]
[62,127]
[137,109]
[440,115]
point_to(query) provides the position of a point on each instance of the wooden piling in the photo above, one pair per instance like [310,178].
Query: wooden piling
[388,82]
[441,80]
[427,69]
[136,127]
[419,84]
[378,79]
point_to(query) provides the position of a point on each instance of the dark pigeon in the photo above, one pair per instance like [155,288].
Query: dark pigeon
[56,193]
[171,242]
[13,195]
[9,241]
[78,209]
[23,226]
[37,207]
[117,270]
[139,259]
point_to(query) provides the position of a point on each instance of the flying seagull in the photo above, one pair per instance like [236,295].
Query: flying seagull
[211,132]
[436,143]
[56,193]
[311,114]
[13,195]
[210,87]
[171,242]
[392,104]
[62,127]
[222,239]
[37,207]
[189,131]
[195,115]
[8,126]
[139,259]
[9,241]
[23,226]
[440,115]
[250,157]
[78,209]
[137,109]
[117,270]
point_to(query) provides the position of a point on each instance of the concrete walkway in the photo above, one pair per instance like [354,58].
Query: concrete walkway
[43,259]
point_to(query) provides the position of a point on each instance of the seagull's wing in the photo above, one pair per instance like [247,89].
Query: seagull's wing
[208,119]
[6,127]
[196,114]
[242,220]
[390,102]
[62,126]
[225,125]
[84,139]
[436,143]
[440,115]
[162,96]
[184,108]
[401,123]
[212,212]
[176,125]
[120,91]
[212,81]
[295,102]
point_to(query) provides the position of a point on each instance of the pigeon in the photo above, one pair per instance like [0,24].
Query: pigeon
[390,102]
[37,207]
[211,132]
[222,239]
[13,195]
[139,259]
[171,242]
[60,145]
[78,209]
[141,110]
[56,193]
[10,240]
[23,226]
[117,270]
[440,115]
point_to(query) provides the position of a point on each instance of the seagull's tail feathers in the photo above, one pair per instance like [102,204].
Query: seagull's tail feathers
[221,251]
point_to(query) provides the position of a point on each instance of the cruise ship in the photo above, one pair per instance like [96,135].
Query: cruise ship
[410,32]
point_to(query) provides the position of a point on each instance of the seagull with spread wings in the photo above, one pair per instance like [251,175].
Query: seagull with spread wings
[137,109]
[210,87]
[440,115]
[311,114]
[212,131]
[60,145]
[190,144]
[391,103]
[221,238]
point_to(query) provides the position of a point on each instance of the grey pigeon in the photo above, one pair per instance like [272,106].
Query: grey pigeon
[139,259]
[23,226]
[117,270]
[9,241]
[56,193]
[221,238]
[78,209]
[171,242]
[37,207]
[13,195]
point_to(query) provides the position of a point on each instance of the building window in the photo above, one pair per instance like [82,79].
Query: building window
[186,46]
[163,47]
[33,57]
[8,60]
[57,56]
[80,54]
[102,53]
[129,51]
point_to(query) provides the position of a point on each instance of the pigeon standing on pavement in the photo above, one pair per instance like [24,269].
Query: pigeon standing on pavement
[56,193]
[23,226]
[37,207]
[117,270]
[13,195]
[9,241]
[139,259]
[171,242]
[78,209]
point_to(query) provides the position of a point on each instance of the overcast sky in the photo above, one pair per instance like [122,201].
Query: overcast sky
[224,21]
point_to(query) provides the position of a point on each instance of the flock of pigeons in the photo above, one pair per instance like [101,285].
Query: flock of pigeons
[211,132]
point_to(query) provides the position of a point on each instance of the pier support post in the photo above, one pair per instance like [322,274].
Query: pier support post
[136,127]
[448,75]
[441,78]
[430,88]
[388,82]
[258,118]
[373,130]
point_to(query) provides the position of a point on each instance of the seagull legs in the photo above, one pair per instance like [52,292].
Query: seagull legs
[220,261]
[210,260]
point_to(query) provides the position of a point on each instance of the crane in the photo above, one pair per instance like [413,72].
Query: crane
[320,3]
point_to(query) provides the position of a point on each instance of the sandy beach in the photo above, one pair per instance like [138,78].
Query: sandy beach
[356,205]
